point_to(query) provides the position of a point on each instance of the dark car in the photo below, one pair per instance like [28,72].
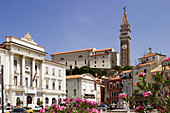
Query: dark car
[104,107]
[19,110]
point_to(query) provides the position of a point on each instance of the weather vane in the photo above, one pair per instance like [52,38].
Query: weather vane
[124,7]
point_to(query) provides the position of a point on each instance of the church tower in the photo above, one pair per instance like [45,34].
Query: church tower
[125,41]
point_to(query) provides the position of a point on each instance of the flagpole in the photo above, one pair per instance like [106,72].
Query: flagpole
[2,88]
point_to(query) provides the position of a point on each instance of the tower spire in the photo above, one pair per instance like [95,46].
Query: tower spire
[124,19]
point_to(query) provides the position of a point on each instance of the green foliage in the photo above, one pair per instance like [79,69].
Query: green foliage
[86,69]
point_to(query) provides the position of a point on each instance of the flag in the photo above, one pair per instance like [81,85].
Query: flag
[34,77]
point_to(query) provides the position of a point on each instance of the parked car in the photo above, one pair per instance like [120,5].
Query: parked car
[29,109]
[7,109]
[104,107]
[19,110]
[34,107]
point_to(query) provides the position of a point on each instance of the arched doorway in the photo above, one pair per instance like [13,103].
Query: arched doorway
[53,100]
[29,100]
[18,101]
[46,100]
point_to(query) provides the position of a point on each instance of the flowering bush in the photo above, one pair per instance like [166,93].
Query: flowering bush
[73,106]
[152,90]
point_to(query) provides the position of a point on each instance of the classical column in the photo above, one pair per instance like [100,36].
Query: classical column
[41,75]
[11,69]
[23,70]
[33,72]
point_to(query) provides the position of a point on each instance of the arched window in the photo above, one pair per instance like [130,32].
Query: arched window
[18,101]
[80,56]
[38,101]
[53,100]
[46,100]
[62,58]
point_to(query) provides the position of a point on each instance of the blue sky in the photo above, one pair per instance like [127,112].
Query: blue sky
[65,25]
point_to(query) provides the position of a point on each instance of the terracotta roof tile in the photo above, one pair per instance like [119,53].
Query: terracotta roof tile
[127,71]
[103,49]
[73,51]
[160,69]
[144,64]
[116,78]
[150,54]
[73,76]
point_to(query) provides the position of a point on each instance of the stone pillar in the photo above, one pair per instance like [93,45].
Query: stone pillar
[33,72]
[23,70]
[11,69]
[41,75]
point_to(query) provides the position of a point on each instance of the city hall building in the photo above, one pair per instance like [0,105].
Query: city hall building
[28,76]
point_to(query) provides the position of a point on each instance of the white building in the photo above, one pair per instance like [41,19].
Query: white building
[102,58]
[81,86]
[23,59]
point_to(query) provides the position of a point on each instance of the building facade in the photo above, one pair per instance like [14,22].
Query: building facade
[113,90]
[25,73]
[81,86]
[125,41]
[102,58]
[145,64]
[127,81]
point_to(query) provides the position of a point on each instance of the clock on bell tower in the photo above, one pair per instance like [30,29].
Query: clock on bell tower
[125,41]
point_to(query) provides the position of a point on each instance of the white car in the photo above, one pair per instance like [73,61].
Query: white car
[34,107]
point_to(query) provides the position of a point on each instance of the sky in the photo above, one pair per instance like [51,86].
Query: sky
[66,25]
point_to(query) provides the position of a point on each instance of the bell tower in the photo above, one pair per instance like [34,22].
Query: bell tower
[125,41]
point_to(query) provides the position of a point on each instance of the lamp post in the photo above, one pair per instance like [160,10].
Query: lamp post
[2,88]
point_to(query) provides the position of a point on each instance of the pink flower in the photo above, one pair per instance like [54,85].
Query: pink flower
[138,108]
[162,110]
[153,75]
[142,74]
[122,95]
[52,111]
[134,84]
[42,110]
[167,59]
[159,72]
[147,94]
[149,106]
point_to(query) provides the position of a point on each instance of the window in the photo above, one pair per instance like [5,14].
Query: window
[103,65]
[46,70]
[53,71]
[15,80]
[74,83]
[153,57]
[103,56]
[95,62]
[117,85]
[53,100]
[145,70]
[112,61]
[46,100]
[103,61]
[74,92]
[117,94]
[59,73]
[36,83]
[95,57]
[15,64]
[62,58]
[75,62]
[46,84]
[26,82]
[80,56]
[112,94]
[18,101]
[94,65]
[53,84]
[136,71]
[59,86]
[85,61]
[70,66]
[36,67]
[146,59]
[110,85]
[66,63]
[38,101]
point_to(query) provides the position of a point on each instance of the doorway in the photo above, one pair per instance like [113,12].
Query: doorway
[29,100]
